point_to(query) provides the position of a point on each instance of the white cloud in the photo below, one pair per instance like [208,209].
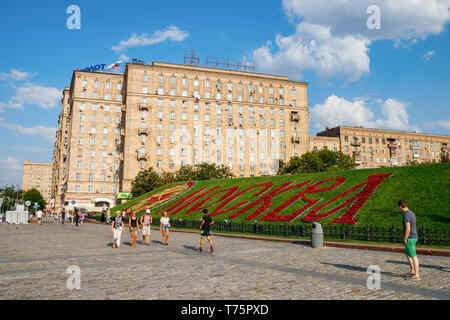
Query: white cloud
[313,48]
[443,124]
[427,56]
[332,38]
[44,97]
[10,105]
[123,57]
[401,20]
[337,111]
[17,75]
[48,133]
[31,149]
[171,33]
[10,163]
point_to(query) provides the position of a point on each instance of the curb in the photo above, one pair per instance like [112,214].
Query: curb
[359,246]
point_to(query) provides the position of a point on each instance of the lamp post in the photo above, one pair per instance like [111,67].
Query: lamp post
[116,178]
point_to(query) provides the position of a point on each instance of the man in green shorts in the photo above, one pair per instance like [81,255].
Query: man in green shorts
[410,238]
[205,226]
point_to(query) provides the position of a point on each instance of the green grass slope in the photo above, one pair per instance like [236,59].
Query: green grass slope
[426,188]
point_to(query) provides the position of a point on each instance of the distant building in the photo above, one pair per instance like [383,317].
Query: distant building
[374,148]
[38,175]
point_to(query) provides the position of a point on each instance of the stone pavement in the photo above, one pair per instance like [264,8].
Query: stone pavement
[34,260]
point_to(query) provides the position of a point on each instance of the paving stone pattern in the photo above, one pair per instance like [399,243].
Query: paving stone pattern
[34,260]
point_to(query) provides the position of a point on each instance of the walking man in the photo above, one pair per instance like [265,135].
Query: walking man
[205,226]
[63,216]
[410,238]
[77,217]
[146,221]
[116,229]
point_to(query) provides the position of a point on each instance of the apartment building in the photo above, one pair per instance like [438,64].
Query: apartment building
[38,175]
[86,150]
[374,148]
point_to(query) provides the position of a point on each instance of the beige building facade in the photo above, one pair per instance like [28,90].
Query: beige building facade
[165,116]
[374,148]
[38,175]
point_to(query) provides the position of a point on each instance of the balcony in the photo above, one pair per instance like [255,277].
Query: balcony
[295,139]
[295,116]
[142,156]
[143,106]
[392,145]
[143,131]
[355,143]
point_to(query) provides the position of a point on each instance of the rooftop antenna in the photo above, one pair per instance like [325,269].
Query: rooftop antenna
[229,63]
[191,58]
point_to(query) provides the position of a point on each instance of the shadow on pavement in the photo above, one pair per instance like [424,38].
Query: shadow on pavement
[302,244]
[362,269]
[429,266]
[191,248]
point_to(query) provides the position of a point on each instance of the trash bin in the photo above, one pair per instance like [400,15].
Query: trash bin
[316,235]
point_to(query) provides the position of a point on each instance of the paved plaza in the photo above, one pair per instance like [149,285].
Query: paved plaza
[34,260]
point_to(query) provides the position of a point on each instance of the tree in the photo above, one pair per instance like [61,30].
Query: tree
[204,171]
[146,181]
[167,177]
[445,158]
[281,167]
[344,162]
[10,197]
[185,173]
[33,195]
[319,161]
[207,171]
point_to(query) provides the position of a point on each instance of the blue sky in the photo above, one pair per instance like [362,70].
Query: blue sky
[395,77]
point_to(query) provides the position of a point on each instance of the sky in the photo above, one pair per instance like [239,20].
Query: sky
[372,63]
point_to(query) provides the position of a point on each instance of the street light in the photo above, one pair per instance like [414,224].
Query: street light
[116,177]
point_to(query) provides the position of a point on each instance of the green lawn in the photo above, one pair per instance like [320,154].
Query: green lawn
[426,188]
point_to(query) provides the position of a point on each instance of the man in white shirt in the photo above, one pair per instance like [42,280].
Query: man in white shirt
[39,216]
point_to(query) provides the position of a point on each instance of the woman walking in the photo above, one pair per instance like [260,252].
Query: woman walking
[164,228]
[134,227]
[116,229]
